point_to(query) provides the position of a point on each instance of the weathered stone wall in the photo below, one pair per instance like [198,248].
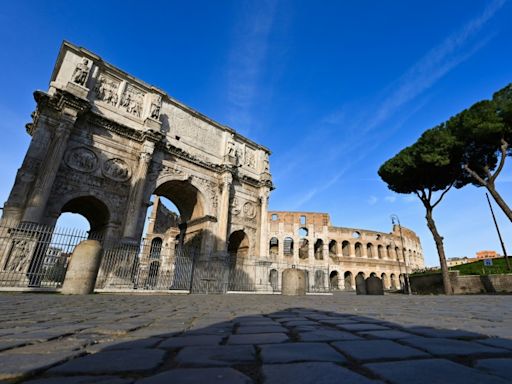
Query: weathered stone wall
[433,283]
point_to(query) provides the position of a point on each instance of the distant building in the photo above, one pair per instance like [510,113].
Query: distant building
[454,261]
[487,255]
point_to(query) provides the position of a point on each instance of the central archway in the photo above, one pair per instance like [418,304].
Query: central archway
[93,210]
[238,249]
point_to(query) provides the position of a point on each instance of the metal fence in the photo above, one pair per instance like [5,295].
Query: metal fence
[34,255]
[37,256]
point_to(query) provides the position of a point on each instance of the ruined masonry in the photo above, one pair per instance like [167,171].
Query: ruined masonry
[103,142]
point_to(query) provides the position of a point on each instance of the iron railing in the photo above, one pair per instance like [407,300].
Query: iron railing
[35,255]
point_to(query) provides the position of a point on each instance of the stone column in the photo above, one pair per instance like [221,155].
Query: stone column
[137,192]
[264,245]
[223,219]
[49,167]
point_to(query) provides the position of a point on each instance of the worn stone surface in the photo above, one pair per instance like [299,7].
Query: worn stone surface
[498,367]
[431,371]
[198,375]
[311,373]
[124,339]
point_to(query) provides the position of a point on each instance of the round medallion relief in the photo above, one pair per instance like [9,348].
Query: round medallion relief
[82,159]
[249,210]
[116,169]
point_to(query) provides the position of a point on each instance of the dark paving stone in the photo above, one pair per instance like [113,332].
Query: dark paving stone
[361,327]
[81,380]
[198,375]
[389,334]
[431,371]
[258,338]
[337,321]
[188,341]
[497,342]
[498,367]
[16,365]
[294,352]
[444,333]
[222,355]
[451,347]
[262,329]
[108,362]
[311,373]
[327,335]
[296,323]
[372,350]
[150,342]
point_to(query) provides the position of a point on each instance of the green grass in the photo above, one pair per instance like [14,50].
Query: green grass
[477,268]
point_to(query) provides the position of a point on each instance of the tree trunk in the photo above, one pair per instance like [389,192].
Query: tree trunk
[499,200]
[440,251]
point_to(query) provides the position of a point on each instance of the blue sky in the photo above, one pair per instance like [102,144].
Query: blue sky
[332,88]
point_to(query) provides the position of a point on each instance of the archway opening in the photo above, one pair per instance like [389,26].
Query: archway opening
[333,248]
[238,245]
[319,249]
[304,248]
[85,212]
[358,249]
[348,281]
[274,247]
[238,249]
[334,280]
[345,248]
[385,280]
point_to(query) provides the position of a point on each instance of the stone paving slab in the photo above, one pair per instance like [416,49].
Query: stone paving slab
[253,338]
[373,350]
[292,352]
[110,362]
[223,355]
[450,347]
[431,371]
[198,375]
[312,373]
[499,367]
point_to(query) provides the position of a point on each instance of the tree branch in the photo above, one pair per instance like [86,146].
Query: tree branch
[503,150]
[475,176]
[442,195]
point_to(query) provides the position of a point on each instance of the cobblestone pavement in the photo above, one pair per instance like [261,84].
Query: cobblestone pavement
[255,339]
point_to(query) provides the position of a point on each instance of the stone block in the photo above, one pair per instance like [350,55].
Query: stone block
[294,282]
[452,348]
[295,352]
[188,341]
[431,371]
[374,286]
[83,268]
[498,367]
[222,355]
[258,338]
[327,335]
[311,373]
[198,375]
[373,350]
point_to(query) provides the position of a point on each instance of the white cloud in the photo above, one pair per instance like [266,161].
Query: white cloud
[372,200]
[390,199]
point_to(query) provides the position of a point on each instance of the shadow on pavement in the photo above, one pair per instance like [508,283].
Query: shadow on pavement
[296,345]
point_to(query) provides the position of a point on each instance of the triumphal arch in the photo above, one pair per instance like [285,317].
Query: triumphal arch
[103,142]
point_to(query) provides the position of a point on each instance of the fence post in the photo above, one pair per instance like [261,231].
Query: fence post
[83,268]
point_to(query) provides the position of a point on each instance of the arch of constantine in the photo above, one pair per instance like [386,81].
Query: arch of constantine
[103,143]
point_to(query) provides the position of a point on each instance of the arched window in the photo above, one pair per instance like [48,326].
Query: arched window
[156,248]
[304,249]
[274,247]
[348,281]
[369,250]
[319,249]
[303,232]
[388,251]
[359,248]
[380,251]
[333,248]
[288,246]
[345,248]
